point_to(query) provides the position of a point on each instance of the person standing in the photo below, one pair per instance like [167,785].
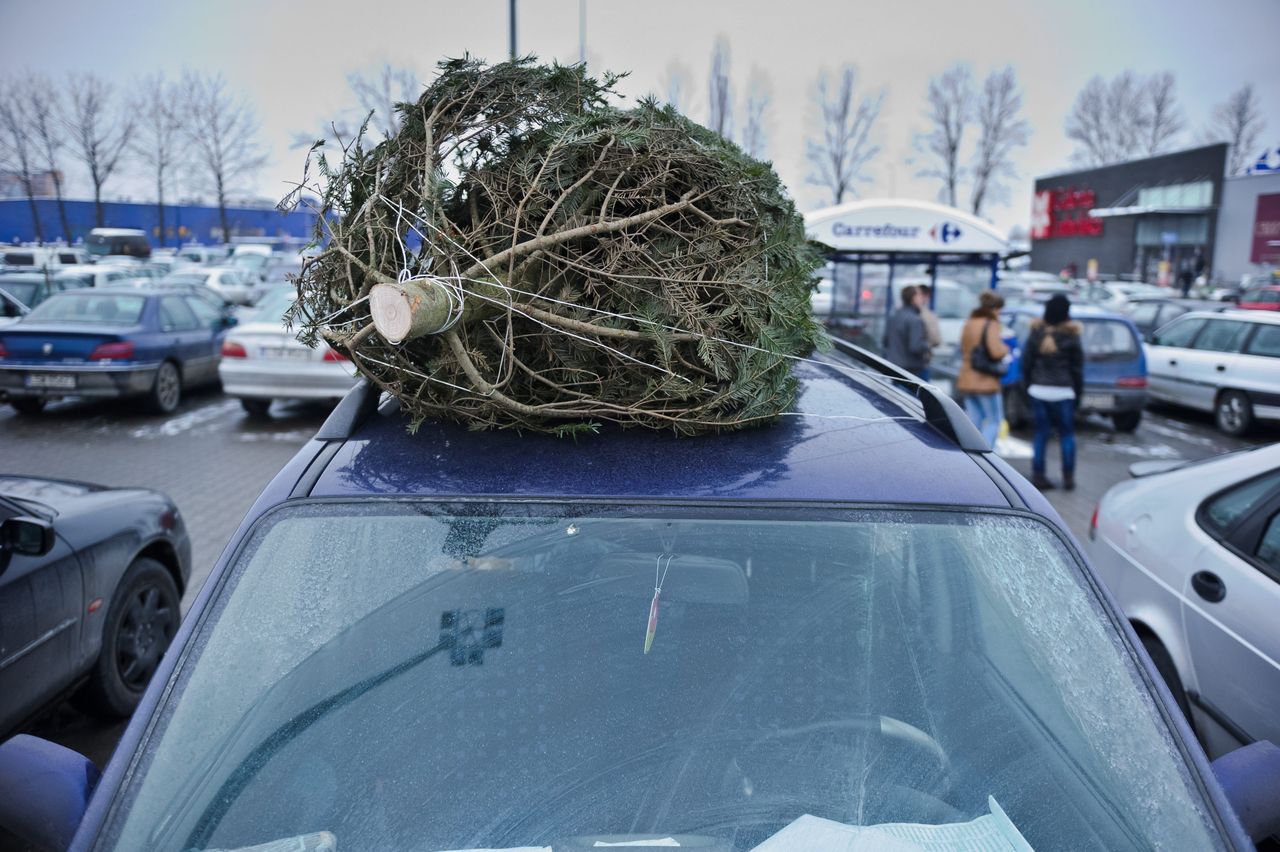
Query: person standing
[983,400]
[905,341]
[1053,373]
[932,330]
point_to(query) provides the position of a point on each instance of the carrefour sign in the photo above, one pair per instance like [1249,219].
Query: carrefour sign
[902,227]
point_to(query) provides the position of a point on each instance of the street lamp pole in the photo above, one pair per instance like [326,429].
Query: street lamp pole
[582,32]
[512,16]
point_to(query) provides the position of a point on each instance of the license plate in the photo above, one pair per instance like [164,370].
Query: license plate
[57,381]
[284,353]
[1098,401]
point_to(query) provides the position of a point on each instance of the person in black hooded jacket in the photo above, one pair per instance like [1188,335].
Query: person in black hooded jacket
[1053,374]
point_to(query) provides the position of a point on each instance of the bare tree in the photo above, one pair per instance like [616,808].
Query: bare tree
[720,91]
[950,112]
[677,86]
[17,148]
[1238,122]
[842,147]
[159,138]
[223,134]
[44,108]
[100,128]
[1001,128]
[379,93]
[1164,117]
[755,130]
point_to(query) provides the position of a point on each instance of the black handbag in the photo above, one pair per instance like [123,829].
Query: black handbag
[980,359]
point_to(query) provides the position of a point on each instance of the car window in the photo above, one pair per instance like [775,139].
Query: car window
[1269,547]
[19,258]
[1221,512]
[175,315]
[1178,333]
[79,306]
[206,314]
[1109,340]
[24,291]
[491,676]
[1265,341]
[1222,336]
[1145,313]
[1265,295]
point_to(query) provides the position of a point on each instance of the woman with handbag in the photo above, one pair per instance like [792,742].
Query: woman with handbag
[983,353]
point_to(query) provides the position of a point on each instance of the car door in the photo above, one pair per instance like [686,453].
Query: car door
[1165,354]
[40,610]
[190,340]
[1212,362]
[1230,603]
[214,325]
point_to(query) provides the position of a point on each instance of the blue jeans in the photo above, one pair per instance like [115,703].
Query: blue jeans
[986,411]
[1051,416]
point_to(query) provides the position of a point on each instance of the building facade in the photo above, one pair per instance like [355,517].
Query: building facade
[1153,219]
[1248,226]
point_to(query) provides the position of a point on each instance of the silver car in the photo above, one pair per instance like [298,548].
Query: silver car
[262,360]
[1192,556]
[1226,363]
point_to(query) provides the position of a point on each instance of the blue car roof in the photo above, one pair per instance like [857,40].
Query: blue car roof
[1081,312]
[853,439]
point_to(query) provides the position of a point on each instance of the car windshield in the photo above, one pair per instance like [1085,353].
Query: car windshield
[187,278]
[23,291]
[78,279]
[110,308]
[399,675]
[1109,340]
[273,305]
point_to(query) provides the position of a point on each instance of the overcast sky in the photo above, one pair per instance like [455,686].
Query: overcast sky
[292,58]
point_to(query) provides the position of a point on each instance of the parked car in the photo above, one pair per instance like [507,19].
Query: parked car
[95,275]
[253,265]
[1228,364]
[1265,298]
[90,579]
[123,242]
[1192,555]
[11,310]
[33,257]
[1115,368]
[1117,295]
[1148,314]
[32,288]
[111,342]
[452,639]
[229,283]
[262,360]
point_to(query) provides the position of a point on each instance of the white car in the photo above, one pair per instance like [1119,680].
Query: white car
[229,283]
[1226,363]
[1192,556]
[95,274]
[262,360]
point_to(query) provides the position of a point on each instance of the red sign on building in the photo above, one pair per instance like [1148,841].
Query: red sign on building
[1064,213]
[1266,230]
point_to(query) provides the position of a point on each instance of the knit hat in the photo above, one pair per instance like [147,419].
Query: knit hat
[1057,310]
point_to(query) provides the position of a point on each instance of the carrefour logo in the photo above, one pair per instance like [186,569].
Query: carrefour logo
[945,232]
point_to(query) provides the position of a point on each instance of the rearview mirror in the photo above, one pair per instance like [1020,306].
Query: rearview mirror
[44,790]
[26,536]
[1250,776]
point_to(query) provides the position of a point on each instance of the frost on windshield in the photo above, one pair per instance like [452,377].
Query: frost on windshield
[1069,644]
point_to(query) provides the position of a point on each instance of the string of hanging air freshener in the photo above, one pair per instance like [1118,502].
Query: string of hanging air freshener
[657,593]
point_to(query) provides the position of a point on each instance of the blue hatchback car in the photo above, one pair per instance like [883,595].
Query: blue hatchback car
[113,342]
[855,628]
[1115,368]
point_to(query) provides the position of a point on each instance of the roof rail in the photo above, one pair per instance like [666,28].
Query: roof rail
[356,407]
[940,410]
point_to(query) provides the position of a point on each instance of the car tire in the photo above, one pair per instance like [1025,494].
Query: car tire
[166,391]
[1233,413]
[28,405]
[1126,421]
[256,408]
[1168,673]
[141,621]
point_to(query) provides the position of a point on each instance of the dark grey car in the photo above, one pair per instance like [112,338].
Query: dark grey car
[90,580]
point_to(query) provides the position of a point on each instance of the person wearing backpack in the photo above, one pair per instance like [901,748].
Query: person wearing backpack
[983,355]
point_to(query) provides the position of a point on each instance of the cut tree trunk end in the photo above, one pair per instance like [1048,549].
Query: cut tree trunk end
[408,309]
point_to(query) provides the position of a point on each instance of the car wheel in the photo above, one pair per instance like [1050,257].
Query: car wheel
[28,405]
[140,623]
[256,408]
[166,393]
[1168,673]
[1233,413]
[1126,421]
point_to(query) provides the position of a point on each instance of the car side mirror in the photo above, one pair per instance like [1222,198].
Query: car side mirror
[44,790]
[26,536]
[1250,776]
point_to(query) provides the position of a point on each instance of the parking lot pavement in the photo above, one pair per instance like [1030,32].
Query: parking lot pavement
[213,461]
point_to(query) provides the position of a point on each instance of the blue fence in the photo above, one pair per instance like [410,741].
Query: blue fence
[182,223]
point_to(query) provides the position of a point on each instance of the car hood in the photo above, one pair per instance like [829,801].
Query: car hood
[67,498]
